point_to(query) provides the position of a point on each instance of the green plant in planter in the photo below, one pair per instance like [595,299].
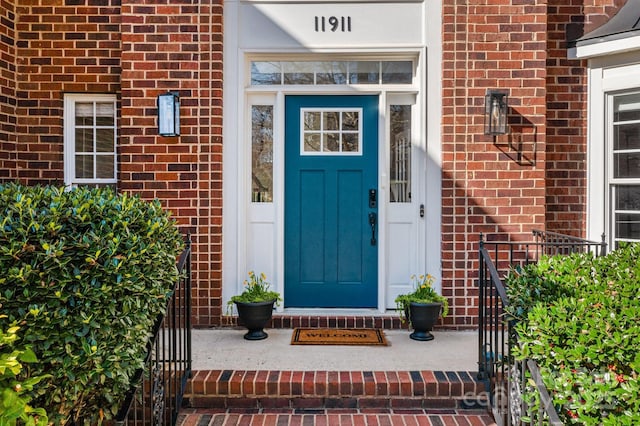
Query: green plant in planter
[256,289]
[255,305]
[423,292]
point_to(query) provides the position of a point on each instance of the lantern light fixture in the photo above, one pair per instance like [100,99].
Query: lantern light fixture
[495,112]
[169,114]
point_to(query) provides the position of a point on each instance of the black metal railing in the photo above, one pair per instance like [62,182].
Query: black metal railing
[156,396]
[504,378]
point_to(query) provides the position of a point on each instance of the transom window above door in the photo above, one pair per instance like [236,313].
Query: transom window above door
[330,131]
[331,72]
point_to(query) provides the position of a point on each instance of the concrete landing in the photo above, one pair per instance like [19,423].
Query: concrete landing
[226,349]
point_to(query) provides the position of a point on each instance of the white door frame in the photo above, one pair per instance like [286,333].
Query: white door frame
[239,214]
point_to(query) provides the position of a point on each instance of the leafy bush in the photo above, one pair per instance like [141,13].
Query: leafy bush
[86,272]
[14,399]
[581,327]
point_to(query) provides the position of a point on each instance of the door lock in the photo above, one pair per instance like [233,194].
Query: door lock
[373,198]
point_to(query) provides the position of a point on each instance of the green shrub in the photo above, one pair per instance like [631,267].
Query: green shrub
[583,333]
[86,272]
[14,397]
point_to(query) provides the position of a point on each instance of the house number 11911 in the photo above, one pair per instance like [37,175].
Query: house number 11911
[333,23]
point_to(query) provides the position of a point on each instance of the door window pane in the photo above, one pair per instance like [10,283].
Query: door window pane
[330,132]
[400,140]
[262,153]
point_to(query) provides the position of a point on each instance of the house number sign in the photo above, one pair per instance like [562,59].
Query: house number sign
[334,24]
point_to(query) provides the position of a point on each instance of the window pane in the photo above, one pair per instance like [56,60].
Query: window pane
[312,142]
[331,142]
[84,140]
[628,197]
[350,120]
[324,133]
[331,120]
[627,136]
[626,107]
[331,73]
[104,140]
[364,72]
[262,153]
[265,73]
[350,142]
[312,120]
[298,72]
[105,114]
[626,165]
[399,72]
[84,166]
[84,113]
[628,226]
[400,140]
[105,167]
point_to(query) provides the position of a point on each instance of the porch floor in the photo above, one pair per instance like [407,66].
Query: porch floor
[226,349]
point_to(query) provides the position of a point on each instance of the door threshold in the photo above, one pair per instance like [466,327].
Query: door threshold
[338,318]
[336,311]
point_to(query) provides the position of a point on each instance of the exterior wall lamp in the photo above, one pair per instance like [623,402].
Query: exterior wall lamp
[169,114]
[495,112]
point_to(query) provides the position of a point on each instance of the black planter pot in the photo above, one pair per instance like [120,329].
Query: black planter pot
[423,316]
[255,316]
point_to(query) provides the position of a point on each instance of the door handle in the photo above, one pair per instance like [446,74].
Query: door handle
[373,220]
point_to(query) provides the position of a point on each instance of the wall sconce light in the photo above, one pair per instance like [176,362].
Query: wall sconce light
[495,112]
[169,114]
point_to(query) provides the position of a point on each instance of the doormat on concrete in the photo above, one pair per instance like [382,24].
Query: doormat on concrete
[338,336]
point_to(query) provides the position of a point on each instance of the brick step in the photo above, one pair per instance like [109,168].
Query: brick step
[203,417]
[320,390]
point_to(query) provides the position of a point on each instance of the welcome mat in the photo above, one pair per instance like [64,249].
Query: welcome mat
[338,336]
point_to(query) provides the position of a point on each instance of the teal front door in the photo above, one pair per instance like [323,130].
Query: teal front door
[331,198]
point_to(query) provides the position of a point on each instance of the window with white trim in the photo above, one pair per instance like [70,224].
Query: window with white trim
[262,153]
[331,131]
[624,168]
[400,153]
[90,155]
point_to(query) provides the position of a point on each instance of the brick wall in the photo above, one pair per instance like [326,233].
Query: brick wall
[177,47]
[136,50]
[7,90]
[566,175]
[61,47]
[493,186]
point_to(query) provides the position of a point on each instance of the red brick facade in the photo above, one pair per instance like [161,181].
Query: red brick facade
[534,177]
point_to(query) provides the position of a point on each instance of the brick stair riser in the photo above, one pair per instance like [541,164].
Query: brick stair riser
[227,389]
[351,403]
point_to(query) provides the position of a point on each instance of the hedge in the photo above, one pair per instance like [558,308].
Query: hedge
[577,317]
[86,272]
